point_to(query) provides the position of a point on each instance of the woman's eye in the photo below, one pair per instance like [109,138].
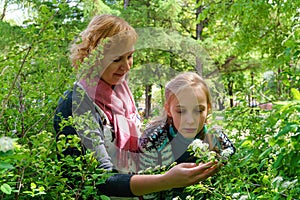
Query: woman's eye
[117,60]
[130,56]
[199,110]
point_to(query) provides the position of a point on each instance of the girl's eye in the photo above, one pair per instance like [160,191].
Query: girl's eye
[180,111]
[130,56]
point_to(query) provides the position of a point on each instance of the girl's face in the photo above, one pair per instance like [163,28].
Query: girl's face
[118,68]
[188,109]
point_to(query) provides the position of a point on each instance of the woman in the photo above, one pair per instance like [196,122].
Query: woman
[167,138]
[109,120]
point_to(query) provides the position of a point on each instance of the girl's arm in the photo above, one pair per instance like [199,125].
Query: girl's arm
[181,175]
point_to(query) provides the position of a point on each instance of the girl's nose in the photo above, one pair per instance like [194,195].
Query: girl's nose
[189,119]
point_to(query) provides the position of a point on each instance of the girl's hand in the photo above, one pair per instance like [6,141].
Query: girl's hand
[186,174]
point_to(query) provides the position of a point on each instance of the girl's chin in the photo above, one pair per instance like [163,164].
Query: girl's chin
[189,135]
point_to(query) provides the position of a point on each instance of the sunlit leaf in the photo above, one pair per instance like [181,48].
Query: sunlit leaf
[6,188]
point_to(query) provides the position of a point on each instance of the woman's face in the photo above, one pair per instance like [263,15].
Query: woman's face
[188,109]
[118,68]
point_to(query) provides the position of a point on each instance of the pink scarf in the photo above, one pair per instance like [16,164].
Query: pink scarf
[118,105]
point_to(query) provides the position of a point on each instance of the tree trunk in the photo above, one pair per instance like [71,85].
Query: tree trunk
[126,3]
[199,66]
[162,95]
[279,71]
[199,30]
[220,104]
[148,94]
[148,86]
[230,92]
[200,25]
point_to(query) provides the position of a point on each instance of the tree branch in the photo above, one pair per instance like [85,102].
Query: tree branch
[5,100]
[4,10]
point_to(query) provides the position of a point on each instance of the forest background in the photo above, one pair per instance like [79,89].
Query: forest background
[248,51]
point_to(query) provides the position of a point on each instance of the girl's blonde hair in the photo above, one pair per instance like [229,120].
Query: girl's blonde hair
[99,28]
[179,83]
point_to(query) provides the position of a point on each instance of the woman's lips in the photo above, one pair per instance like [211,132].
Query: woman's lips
[119,75]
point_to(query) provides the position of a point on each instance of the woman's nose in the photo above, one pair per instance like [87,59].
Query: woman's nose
[125,65]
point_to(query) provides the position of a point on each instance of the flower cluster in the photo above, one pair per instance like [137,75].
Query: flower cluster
[226,153]
[201,151]
[6,144]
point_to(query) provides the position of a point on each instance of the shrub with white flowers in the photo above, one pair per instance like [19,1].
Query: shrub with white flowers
[226,153]
[6,144]
[201,151]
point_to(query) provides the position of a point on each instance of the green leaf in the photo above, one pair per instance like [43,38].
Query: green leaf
[286,129]
[267,151]
[5,165]
[278,161]
[103,197]
[263,162]
[6,188]
[295,93]
[32,186]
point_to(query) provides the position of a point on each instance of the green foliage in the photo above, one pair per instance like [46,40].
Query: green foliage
[266,163]
[241,38]
[37,173]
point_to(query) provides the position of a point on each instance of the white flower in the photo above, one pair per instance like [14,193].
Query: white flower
[227,152]
[211,155]
[189,197]
[198,144]
[277,180]
[201,150]
[6,144]
[157,168]
[287,184]
[268,129]
[235,195]
[278,123]
[243,197]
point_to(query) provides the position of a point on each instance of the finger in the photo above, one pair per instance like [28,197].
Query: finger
[205,165]
[200,168]
[188,165]
[208,172]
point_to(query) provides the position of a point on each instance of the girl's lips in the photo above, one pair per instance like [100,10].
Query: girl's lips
[190,130]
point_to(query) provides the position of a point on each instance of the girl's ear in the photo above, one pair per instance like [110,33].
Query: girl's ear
[167,109]
[208,108]
[208,112]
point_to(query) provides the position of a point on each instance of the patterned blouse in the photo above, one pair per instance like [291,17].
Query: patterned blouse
[161,146]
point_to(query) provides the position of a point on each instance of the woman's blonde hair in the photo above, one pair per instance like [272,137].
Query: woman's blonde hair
[99,28]
[179,83]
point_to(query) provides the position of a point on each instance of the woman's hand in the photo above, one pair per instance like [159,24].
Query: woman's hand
[186,174]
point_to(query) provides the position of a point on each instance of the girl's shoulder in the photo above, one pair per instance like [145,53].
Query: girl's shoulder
[154,137]
[217,137]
